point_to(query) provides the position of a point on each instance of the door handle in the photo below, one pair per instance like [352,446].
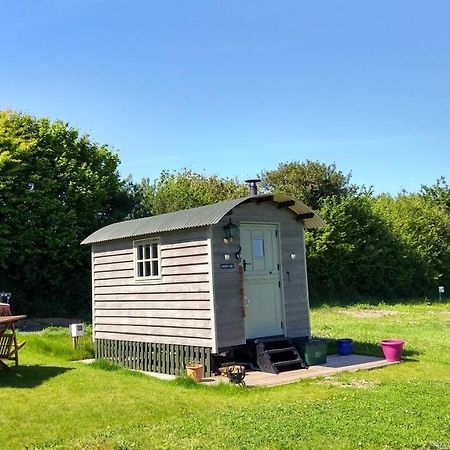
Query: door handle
[245,264]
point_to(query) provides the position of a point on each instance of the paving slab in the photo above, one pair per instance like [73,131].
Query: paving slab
[335,364]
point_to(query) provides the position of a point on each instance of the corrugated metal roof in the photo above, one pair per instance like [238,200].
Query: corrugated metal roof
[192,218]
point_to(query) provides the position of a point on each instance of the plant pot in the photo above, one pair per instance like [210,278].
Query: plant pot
[195,372]
[344,346]
[392,349]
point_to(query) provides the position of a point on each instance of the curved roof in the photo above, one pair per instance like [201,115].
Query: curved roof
[198,217]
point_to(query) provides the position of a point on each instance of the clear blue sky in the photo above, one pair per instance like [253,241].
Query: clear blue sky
[235,87]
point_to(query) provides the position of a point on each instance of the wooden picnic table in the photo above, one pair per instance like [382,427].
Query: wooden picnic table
[9,348]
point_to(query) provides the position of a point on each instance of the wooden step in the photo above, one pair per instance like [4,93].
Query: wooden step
[280,350]
[274,354]
[270,340]
[287,363]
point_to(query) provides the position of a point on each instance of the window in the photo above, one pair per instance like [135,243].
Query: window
[258,248]
[147,259]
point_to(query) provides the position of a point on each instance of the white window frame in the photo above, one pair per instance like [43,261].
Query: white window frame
[136,260]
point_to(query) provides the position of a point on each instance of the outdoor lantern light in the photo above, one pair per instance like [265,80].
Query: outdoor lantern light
[230,230]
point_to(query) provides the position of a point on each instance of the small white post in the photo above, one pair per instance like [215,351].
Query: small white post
[76,330]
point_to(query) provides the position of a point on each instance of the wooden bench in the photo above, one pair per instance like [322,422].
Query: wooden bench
[9,348]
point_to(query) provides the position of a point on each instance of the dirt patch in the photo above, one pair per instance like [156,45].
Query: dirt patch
[40,324]
[358,384]
[371,313]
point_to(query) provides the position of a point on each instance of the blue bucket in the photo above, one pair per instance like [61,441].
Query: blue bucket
[345,346]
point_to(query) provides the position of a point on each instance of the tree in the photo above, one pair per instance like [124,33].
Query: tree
[310,181]
[357,253]
[439,192]
[184,189]
[56,187]
[422,224]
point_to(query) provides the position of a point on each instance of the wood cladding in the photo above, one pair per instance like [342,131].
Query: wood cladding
[174,309]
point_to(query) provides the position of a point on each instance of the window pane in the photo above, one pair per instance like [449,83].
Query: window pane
[147,252]
[140,269]
[147,268]
[154,251]
[258,247]
[140,252]
[155,268]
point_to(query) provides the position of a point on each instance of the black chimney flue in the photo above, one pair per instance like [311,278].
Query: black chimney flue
[252,184]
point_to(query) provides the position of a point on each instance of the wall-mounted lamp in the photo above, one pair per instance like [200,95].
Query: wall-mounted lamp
[230,231]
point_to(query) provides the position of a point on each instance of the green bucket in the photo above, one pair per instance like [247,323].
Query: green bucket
[315,352]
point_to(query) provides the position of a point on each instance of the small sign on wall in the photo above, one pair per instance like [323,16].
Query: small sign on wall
[227,266]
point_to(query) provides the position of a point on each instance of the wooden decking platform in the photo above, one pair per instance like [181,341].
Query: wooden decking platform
[334,365]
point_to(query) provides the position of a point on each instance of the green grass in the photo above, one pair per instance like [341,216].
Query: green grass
[52,402]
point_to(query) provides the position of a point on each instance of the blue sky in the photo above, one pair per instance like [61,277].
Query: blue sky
[233,88]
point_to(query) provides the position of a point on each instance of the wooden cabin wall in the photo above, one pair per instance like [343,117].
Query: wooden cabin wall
[229,321]
[173,310]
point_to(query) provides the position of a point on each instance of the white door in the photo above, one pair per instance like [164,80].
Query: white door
[262,289]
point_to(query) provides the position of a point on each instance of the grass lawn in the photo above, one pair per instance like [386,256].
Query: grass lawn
[51,402]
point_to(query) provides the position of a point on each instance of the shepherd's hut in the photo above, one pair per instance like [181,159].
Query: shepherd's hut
[203,283]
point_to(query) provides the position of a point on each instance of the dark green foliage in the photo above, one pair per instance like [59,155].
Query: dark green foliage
[310,181]
[56,187]
[395,247]
[356,253]
[174,191]
[422,226]
[380,246]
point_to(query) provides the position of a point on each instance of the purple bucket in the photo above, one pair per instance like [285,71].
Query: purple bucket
[392,349]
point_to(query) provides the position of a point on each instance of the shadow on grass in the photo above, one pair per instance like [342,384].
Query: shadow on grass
[366,348]
[29,376]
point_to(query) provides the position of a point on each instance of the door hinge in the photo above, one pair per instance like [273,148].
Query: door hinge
[279,284]
[276,233]
[278,266]
[281,324]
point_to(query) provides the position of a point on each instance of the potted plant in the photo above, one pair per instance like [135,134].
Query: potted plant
[194,370]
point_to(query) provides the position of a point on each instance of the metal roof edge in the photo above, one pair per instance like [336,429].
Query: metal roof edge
[193,218]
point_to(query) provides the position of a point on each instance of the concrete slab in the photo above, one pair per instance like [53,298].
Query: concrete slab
[335,364]
[161,376]
[86,361]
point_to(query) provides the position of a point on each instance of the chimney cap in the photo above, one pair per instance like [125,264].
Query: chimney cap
[253,185]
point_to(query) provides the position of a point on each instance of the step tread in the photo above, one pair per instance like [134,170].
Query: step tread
[286,363]
[280,350]
[271,340]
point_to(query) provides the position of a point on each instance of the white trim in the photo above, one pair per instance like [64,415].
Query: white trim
[93,292]
[282,296]
[212,305]
[136,244]
[306,281]
[260,223]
